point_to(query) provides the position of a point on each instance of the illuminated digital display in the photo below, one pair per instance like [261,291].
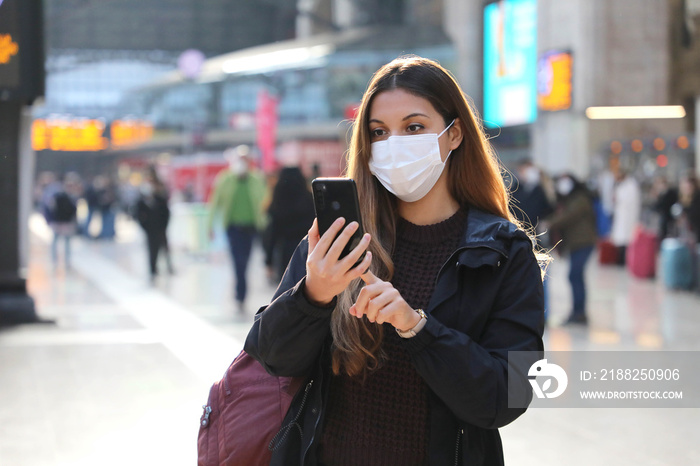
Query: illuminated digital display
[129,132]
[554,71]
[9,46]
[78,135]
[68,135]
[510,62]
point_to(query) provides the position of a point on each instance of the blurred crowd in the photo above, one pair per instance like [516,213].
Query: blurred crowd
[88,208]
[626,222]
[614,215]
[276,210]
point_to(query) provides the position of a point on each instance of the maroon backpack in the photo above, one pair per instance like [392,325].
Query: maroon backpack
[243,415]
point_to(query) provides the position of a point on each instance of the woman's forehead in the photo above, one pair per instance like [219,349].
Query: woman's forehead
[398,103]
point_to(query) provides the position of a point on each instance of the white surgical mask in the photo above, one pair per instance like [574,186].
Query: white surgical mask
[239,166]
[565,186]
[408,166]
[531,176]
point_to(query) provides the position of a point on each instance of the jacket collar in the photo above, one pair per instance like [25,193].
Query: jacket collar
[485,243]
[486,240]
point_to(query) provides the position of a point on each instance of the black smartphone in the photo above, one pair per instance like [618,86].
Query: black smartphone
[334,198]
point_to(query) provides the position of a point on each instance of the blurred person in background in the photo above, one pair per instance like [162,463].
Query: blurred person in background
[291,213]
[663,197]
[532,204]
[689,197]
[129,193]
[403,378]
[61,214]
[604,204]
[237,200]
[106,196]
[627,208]
[575,223]
[47,185]
[153,214]
[90,197]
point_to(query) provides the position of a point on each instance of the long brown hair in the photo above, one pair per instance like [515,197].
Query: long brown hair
[474,179]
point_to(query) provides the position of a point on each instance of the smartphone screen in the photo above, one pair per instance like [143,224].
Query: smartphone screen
[337,197]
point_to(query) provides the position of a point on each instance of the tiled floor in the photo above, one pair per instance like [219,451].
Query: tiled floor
[120,377]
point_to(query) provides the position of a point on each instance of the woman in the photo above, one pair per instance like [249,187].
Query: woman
[291,211]
[575,223]
[153,214]
[407,352]
[626,213]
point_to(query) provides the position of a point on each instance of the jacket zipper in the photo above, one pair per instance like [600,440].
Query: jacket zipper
[460,432]
[313,436]
[284,431]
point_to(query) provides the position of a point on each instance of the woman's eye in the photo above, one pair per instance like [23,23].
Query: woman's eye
[414,127]
[377,133]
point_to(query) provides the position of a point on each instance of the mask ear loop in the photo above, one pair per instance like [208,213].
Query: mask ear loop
[447,158]
[443,132]
[448,127]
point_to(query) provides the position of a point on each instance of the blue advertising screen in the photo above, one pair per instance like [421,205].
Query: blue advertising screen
[510,62]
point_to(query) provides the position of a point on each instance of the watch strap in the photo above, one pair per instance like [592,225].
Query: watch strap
[417,328]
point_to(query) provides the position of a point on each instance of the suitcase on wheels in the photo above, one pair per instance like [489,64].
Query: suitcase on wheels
[676,264]
[607,252]
[641,254]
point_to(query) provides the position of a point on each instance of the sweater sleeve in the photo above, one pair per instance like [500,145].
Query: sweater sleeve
[289,334]
[471,377]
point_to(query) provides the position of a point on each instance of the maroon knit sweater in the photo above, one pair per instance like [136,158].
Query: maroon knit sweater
[385,420]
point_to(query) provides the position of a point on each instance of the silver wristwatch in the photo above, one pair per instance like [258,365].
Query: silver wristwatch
[418,327]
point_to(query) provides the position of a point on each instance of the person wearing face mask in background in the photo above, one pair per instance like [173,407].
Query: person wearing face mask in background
[406,353]
[531,202]
[575,223]
[531,205]
[153,214]
[627,209]
[237,200]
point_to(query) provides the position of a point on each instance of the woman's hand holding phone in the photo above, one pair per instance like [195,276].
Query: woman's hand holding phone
[326,274]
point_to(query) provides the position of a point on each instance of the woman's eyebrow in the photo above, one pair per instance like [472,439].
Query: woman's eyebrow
[412,115]
[407,117]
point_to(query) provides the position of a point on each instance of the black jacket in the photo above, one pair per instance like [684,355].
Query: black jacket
[153,213]
[488,300]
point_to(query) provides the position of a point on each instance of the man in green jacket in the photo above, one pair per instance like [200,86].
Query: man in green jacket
[237,199]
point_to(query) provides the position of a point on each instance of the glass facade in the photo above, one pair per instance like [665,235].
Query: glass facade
[94,87]
[321,91]
[98,51]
